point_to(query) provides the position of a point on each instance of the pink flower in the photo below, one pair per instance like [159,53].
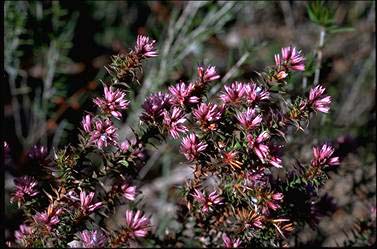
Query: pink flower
[48,218]
[87,123]
[207,201]
[191,147]
[275,161]
[181,94]
[25,187]
[22,232]
[291,59]
[129,192]
[322,157]
[6,148]
[92,239]
[254,93]
[174,122]
[234,93]
[318,100]
[207,115]
[258,146]
[230,243]
[154,106]
[208,74]
[103,134]
[249,120]
[86,202]
[137,223]
[145,47]
[113,102]
[274,200]
[38,152]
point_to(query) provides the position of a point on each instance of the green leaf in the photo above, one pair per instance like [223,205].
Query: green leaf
[340,29]
[124,163]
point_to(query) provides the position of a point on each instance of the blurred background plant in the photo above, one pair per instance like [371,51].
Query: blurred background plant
[54,54]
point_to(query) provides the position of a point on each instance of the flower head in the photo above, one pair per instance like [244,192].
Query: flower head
[207,202]
[48,218]
[22,232]
[86,200]
[129,192]
[113,103]
[207,115]
[137,223]
[291,59]
[254,93]
[181,94]
[322,156]
[230,243]
[38,152]
[249,120]
[258,145]
[145,46]
[92,239]
[272,201]
[208,74]
[103,134]
[318,100]
[154,106]
[87,123]
[25,187]
[174,122]
[234,93]
[191,147]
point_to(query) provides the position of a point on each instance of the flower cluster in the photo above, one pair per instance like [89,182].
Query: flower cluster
[26,187]
[234,142]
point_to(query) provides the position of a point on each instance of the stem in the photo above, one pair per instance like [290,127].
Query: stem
[319,55]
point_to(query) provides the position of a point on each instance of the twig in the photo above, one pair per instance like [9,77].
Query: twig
[319,55]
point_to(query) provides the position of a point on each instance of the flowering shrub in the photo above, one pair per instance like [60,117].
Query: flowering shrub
[234,142]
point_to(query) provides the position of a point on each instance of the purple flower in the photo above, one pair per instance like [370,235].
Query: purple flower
[258,146]
[254,93]
[145,46]
[255,179]
[291,59]
[92,239]
[137,223]
[181,94]
[208,74]
[154,106]
[230,243]
[318,100]
[48,218]
[86,202]
[234,93]
[87,123]
[207,115]
[191,147]
[103,134]
[25,187]
[113,102]
[323,157]
[249,119]
[207,201]
[174,122]
[37,152]
[129,192]
[22,232]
